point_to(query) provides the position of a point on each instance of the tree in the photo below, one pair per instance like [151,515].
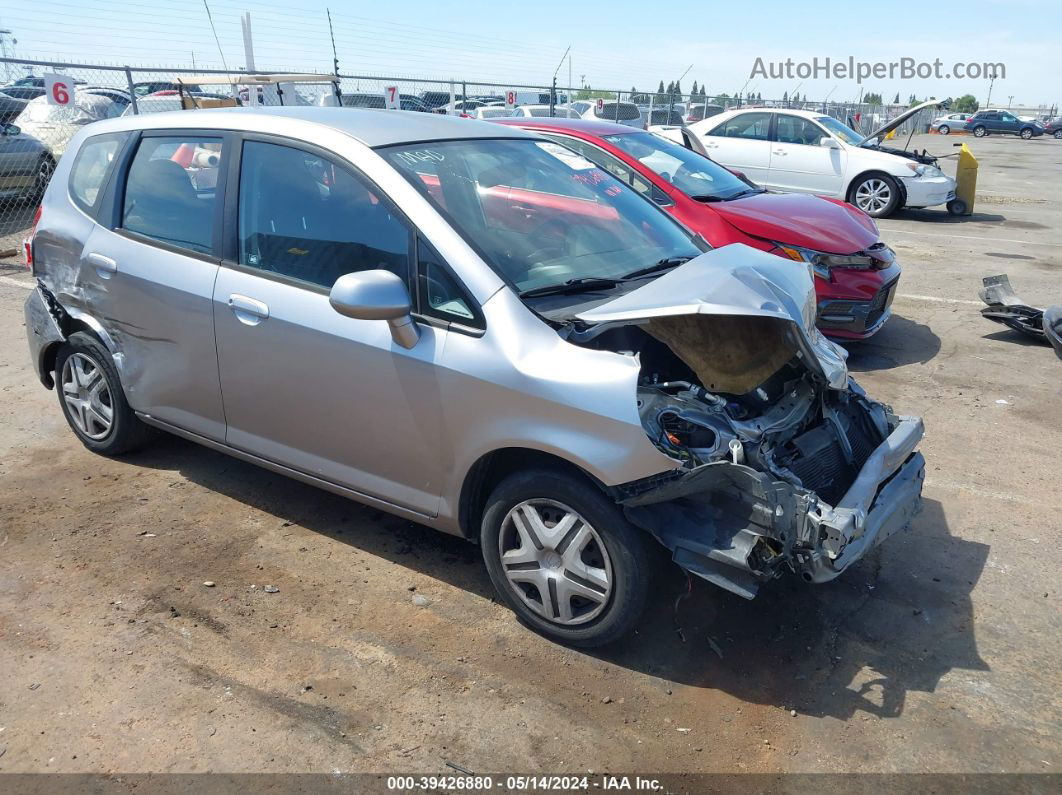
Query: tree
[693,91]
[967,103]
[678,88]
[660,94]
[870,98]
[897,100]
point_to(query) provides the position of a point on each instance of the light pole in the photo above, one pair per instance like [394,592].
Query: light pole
[991,82]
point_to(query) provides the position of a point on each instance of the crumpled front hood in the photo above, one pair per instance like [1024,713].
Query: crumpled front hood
[892,124]
[735,315]
[801,220]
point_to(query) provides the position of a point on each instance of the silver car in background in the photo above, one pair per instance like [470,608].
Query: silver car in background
[474,328]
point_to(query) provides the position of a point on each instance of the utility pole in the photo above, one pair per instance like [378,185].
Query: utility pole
[553,90]
[1010,98]
[335,57]
[3,50]
[991,82]
[248,51]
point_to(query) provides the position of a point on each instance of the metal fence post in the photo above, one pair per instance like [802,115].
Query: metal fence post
[132,93]
[618,95]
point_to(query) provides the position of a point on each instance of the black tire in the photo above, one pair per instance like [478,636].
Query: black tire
[979,131]
[944,129]
[957,207]
[631,556]
[126,432]
[1058,134]
[871,207]
[1026,133]
[41,177]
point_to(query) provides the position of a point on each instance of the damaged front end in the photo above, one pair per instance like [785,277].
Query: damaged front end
[784,462]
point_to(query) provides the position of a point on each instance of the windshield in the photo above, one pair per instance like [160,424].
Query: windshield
[693,174]
[538,213]
[842,131]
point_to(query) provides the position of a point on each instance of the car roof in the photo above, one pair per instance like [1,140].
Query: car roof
[370,126]
[560,123]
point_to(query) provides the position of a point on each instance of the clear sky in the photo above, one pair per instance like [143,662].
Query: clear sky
[615,45]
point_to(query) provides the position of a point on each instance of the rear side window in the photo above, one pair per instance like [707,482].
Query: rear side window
[307,218]
[170,191]
[625,112]
[754,126]
[93,166]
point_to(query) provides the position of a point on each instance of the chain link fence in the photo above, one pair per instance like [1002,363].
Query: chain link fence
[36,131]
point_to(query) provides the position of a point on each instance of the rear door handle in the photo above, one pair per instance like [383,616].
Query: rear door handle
[105,266]
[248,310]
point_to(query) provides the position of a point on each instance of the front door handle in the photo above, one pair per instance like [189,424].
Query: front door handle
[105,266]
[780,152]
[248,310]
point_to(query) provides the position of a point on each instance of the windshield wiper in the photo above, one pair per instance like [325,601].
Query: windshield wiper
[660,265]
[571,286]
[746,192]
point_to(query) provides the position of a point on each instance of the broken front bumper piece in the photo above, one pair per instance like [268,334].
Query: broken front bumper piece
[737,527]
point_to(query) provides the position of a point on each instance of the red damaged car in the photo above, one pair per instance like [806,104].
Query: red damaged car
[856,272]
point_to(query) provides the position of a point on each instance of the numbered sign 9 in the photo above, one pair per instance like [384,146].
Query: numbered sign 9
[392,99]
[600,105]
[59,89]
[510,99]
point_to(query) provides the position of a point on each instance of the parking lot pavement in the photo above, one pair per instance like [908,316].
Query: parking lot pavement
[939,652]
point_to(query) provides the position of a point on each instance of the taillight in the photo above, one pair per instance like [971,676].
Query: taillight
[28,242]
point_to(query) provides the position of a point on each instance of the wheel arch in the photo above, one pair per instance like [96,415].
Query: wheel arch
[492,468]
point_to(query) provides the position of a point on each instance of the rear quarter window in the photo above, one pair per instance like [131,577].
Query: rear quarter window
[92,167]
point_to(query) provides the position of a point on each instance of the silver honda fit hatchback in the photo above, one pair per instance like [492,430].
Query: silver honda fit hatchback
[471,327]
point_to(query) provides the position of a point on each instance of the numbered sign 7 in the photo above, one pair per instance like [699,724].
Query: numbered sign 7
[59,89]
[392,99]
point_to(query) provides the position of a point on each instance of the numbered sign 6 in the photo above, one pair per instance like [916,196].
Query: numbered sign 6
[59,89]
[392,99]
[600,105]
[510,99]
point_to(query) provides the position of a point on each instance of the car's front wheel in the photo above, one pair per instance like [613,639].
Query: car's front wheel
[565,559]
[980,131]
[877,195]
[92,399]
[1058,134]
[944,129]
[1026,133]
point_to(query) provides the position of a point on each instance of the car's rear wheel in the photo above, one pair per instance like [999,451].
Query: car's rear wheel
[1058,134]
[1026,133]
[565,559]
[92,399]
[980,131]
[877,195]
[944,129]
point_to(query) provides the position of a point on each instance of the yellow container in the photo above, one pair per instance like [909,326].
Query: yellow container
[965,183]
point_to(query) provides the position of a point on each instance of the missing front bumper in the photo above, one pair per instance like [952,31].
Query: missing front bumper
[737,527]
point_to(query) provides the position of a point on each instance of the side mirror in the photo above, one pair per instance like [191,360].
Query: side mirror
[829,142]
[376,295]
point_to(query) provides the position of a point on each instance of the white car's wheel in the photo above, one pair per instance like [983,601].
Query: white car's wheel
[877,195]
[944,129]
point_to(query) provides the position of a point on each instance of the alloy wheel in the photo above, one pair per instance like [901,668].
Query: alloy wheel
[555,562]
[1026,134]
[873,195]
[944,129]
[1058,134]
[979,132]
[87,396]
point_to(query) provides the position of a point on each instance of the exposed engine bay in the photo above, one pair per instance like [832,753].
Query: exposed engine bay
[771,454]
[919,157]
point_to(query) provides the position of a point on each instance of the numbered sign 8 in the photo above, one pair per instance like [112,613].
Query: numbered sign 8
[510,99]
[392,99]
[59,89]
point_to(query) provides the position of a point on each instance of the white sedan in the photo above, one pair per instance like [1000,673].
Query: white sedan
[807,152]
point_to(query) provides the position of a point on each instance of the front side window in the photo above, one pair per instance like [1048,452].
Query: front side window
[304,217]
[795,130]
[539,213]
[693,174]
[753,126]
[612,165]
[92,167]
[170,191]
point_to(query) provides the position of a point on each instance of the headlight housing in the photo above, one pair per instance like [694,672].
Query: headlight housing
[923,170]
[877,257]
